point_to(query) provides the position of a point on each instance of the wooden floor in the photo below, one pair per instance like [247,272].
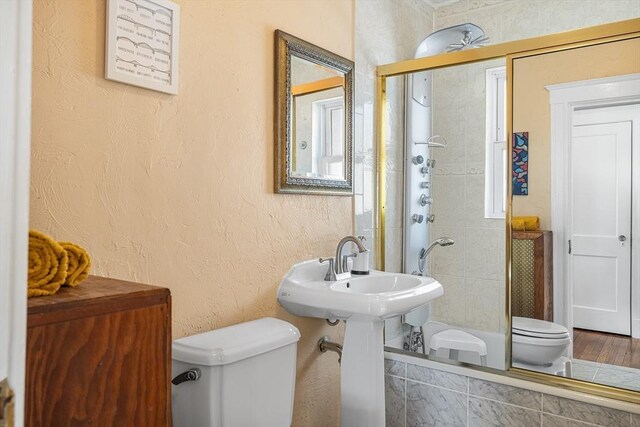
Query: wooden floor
[606,348]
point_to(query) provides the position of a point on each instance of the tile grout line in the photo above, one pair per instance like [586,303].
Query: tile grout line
[572,419]
[439,387]
[405,396]
[586,423]
[394,376]
[468,398]
[505,403]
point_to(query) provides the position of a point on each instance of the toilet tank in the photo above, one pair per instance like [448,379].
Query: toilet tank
[247,376]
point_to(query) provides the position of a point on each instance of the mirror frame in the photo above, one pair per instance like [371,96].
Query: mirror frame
[617,31]
[287,45]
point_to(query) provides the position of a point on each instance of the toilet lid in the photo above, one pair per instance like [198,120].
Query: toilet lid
[538,328]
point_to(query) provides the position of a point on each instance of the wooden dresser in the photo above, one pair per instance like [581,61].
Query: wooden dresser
[99,355]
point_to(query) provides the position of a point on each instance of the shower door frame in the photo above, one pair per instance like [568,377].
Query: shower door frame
[622,30]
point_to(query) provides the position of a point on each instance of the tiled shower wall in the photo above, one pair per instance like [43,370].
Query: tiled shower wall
[420,396]
[472,270]
[386,31]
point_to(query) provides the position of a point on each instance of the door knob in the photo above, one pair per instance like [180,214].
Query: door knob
[622,238]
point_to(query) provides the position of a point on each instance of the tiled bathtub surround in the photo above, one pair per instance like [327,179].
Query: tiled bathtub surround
[422,396]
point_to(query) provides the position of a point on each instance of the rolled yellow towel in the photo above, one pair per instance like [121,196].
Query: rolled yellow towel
[48,262]
[525,223]
[79,264]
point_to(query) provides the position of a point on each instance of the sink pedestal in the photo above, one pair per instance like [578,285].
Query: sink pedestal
[362,374]
[363,302]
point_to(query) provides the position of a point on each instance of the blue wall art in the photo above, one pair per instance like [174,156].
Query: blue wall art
[520,164]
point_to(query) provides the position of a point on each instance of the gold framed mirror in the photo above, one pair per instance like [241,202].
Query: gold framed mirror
[514,53]
[578,107]
[313,119]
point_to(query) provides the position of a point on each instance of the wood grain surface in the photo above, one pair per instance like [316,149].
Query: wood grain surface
[99,355]
[607,348]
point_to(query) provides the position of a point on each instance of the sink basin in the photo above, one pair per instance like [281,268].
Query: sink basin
[378,283]
[379,295]
[363,302]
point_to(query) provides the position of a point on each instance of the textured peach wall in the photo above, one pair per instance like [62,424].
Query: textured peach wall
[177,190]
[532,74]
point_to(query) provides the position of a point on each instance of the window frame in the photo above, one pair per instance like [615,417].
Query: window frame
[496,150]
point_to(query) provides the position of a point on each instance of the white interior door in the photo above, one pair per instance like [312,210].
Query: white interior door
[600,220]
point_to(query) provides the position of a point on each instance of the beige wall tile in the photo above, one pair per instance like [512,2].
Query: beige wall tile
[483,304]
[450,308]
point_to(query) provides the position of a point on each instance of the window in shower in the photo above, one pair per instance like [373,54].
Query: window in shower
[495,189]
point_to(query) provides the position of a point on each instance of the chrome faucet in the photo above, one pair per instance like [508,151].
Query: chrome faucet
[341,266]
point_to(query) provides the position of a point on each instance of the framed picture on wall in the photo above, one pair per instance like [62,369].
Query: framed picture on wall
[142,43]
[520,164]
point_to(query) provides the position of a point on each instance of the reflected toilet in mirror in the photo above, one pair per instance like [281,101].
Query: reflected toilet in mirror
[543,244]
[575,288]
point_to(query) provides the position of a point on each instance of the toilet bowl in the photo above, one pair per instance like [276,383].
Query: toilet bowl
[538,342]
[241,375]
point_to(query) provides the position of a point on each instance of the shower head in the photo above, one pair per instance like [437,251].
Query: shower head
[458,37]
[468,41]
[442,241]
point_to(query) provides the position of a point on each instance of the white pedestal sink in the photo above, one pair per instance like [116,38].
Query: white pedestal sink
[363,302]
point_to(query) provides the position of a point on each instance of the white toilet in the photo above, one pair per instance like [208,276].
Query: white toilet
[538,342]
[241,375]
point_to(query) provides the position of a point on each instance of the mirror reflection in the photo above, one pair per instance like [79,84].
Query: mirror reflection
[442,123]
[576,212]
[318,122]
[314,119]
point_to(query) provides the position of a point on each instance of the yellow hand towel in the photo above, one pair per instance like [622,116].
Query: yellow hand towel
[525,223]
[48,262]
[79,264]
